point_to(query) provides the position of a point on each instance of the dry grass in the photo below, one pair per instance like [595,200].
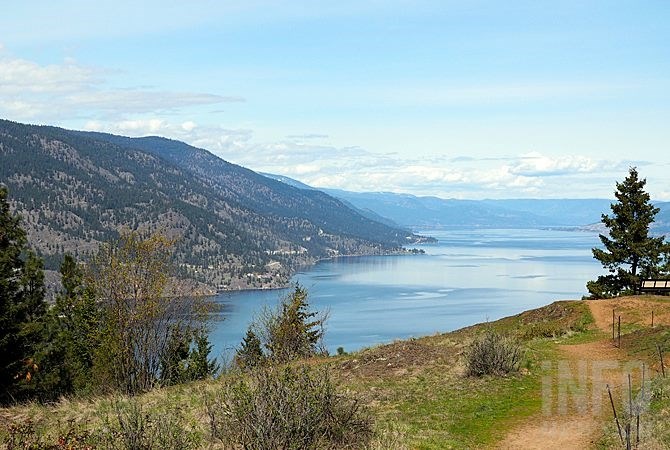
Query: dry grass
[416,389]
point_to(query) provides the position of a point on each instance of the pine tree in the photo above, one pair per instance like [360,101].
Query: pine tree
[199,365]
[630,252]
[22,306]
[296,331]
[70,336]
[250,353]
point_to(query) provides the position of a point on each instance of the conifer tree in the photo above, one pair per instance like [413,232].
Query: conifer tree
[250,353]
[630,252]
[70,336]
[200,366]
[22,305]
[295,331]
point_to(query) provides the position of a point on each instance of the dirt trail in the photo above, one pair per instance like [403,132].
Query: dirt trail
[575,401]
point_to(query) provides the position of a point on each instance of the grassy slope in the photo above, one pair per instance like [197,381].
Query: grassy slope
[419,384]
[415,388]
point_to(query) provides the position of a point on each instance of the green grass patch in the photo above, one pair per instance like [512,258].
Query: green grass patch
[461,413]
[438,409]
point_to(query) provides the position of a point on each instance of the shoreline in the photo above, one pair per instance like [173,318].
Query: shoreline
[302,267]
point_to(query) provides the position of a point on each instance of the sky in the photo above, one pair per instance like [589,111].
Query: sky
[456,99]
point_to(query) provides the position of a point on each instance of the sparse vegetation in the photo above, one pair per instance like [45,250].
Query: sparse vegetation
[493,353]
[288,407]
[415,390]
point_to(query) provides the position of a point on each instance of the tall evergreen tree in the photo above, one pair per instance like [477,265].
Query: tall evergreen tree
[22,305]
[295,331]
[70,337]
[630,252]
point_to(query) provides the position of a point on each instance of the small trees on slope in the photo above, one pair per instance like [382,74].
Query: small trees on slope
[289,332]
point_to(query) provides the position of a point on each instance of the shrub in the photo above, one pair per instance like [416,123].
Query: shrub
[131,426]
[288,408]
[27,435]
[493,354]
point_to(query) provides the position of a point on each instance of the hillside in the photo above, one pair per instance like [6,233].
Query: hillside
[419,397]
[235,228]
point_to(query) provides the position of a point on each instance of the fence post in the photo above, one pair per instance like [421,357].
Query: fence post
[660,356]
[614,411]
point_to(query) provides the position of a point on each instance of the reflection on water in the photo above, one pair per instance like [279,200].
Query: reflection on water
[468,276]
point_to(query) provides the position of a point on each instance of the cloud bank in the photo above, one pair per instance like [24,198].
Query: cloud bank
[30,91]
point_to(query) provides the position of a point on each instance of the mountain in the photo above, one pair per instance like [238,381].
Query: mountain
[432,212]
[559,212]
[416,212]
[365,212]
[234,227]
[662,223]
[287,180]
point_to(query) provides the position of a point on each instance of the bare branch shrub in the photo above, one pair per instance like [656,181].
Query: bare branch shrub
[144,307]
[131,426]
[288,408]
[493,354]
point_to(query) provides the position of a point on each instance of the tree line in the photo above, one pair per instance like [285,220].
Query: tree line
[121,322]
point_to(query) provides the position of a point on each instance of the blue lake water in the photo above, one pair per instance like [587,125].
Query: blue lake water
[468,276]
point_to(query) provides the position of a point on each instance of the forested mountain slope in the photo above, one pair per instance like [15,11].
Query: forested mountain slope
[235,228]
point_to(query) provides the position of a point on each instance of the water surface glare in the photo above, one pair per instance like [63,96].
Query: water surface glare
[468,276]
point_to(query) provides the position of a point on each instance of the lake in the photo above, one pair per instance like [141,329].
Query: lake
[468,276]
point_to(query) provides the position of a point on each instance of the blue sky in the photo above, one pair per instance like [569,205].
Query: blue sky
[470,99]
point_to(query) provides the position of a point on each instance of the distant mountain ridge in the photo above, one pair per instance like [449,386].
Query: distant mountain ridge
[417,213]
[235,228]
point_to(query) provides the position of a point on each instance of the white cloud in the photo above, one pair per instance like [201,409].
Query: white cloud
[19,76]
[534,164]
[68,90]
[188,126]
[353,168]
